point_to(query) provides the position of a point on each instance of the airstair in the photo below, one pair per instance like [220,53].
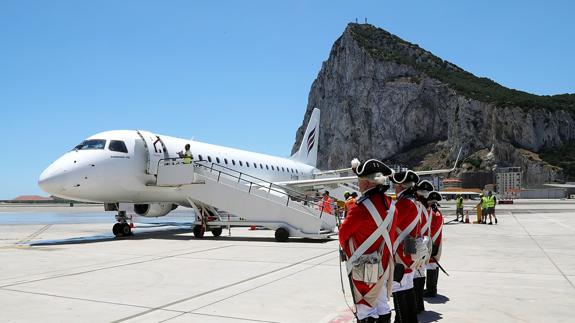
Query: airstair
[252,201]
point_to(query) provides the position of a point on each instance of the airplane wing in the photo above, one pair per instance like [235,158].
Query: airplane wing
[440,171]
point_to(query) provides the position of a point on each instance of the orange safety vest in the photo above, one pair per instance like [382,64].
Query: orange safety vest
[326,205]
[350,204]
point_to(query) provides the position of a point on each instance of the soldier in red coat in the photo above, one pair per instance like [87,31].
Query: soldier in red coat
[436,234]
[423,188]
[367,235]
[408,254]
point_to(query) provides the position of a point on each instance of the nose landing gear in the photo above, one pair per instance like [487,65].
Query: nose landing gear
[122,228]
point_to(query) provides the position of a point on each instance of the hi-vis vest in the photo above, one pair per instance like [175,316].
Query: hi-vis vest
[187,157]
[484,202]
[459,203]
[490,201]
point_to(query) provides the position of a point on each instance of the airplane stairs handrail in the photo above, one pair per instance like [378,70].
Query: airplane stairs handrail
[292,195]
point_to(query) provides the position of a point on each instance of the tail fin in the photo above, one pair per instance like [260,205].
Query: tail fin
[307,152]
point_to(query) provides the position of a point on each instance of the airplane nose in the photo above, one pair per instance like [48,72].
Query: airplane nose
[52,180]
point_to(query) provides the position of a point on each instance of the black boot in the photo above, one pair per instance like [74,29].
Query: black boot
[367,320]
[432,276]
[412,306]
[418,286]
[384,318]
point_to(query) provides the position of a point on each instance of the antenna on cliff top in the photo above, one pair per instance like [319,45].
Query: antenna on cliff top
[366,20]
[356,20]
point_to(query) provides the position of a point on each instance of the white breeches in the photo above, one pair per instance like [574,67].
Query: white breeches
[405,284]
[380,308]
[432,266]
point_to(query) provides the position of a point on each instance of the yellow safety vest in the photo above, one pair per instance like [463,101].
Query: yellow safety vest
[187,157]
[459,202]
[484,202]
[490,201]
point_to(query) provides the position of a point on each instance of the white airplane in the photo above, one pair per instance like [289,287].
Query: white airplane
[123,167]
[141,172]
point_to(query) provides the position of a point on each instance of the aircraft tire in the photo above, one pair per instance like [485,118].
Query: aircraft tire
[126,230]
[199,231]
[216,232]
[116,230]
[282,235]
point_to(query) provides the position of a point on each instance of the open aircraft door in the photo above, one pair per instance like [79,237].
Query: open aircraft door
[155,150]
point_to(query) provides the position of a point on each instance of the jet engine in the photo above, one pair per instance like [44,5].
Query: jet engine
[154,209]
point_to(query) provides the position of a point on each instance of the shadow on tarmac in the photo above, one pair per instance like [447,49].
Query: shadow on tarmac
[439,299]
[179,233]
[429,316]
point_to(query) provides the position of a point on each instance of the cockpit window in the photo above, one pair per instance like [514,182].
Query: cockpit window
[119,146]
[91,144]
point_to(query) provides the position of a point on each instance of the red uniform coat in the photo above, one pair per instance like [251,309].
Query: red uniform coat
[407,212]
[359,225]
[436,231]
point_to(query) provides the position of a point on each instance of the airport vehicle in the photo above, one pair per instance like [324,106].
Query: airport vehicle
[144,173]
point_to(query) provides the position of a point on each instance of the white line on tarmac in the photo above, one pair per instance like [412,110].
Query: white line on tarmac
[544,252]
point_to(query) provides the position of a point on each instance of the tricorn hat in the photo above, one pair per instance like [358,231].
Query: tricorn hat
[425,185]
[434,197]
[405,177]
[370,167]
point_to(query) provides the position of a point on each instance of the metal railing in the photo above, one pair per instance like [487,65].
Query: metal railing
[249,179]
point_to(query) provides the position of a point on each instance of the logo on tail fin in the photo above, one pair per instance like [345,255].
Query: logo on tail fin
[310,140]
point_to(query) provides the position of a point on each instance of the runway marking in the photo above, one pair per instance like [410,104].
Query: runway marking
[162,307]
[250,289]
[111,267]
[544,252]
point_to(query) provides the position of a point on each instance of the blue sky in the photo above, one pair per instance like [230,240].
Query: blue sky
[235,73]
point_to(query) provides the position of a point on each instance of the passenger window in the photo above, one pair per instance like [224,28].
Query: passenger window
[278,168]
[241,164]
[218,160]
[233,162]
[283,170]
[201,158]
[226,161]
[209,159]
[267,167]
[273,167]
[261,166]
[296,171]
[248,164]
[119,146]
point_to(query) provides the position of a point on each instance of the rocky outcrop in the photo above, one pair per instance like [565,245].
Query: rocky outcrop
[376,103]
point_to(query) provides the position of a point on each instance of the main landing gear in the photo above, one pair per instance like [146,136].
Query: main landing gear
[122,228]
[199,231]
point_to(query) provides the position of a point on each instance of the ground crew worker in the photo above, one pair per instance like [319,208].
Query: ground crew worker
[327,203]
[482,206]
[186,155]
[350,202]
[408,253]
[367,235]
[436,235]
[459,207]
[422,191]
[490,202]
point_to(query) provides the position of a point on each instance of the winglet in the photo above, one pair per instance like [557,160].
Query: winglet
[307,152]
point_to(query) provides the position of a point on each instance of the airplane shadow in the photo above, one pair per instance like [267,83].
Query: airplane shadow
[429,316]
[177,233]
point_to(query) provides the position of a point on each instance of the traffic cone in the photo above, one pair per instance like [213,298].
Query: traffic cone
[253,227]
[467,216]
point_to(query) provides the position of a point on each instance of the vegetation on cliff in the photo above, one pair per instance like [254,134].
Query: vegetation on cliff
[563,157]
[386,46]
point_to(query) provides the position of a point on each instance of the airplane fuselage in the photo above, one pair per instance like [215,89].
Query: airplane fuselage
[114,167]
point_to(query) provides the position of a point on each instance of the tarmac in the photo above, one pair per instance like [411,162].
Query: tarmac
[62,264]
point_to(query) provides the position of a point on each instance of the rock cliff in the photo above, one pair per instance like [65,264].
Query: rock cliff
[383,97]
